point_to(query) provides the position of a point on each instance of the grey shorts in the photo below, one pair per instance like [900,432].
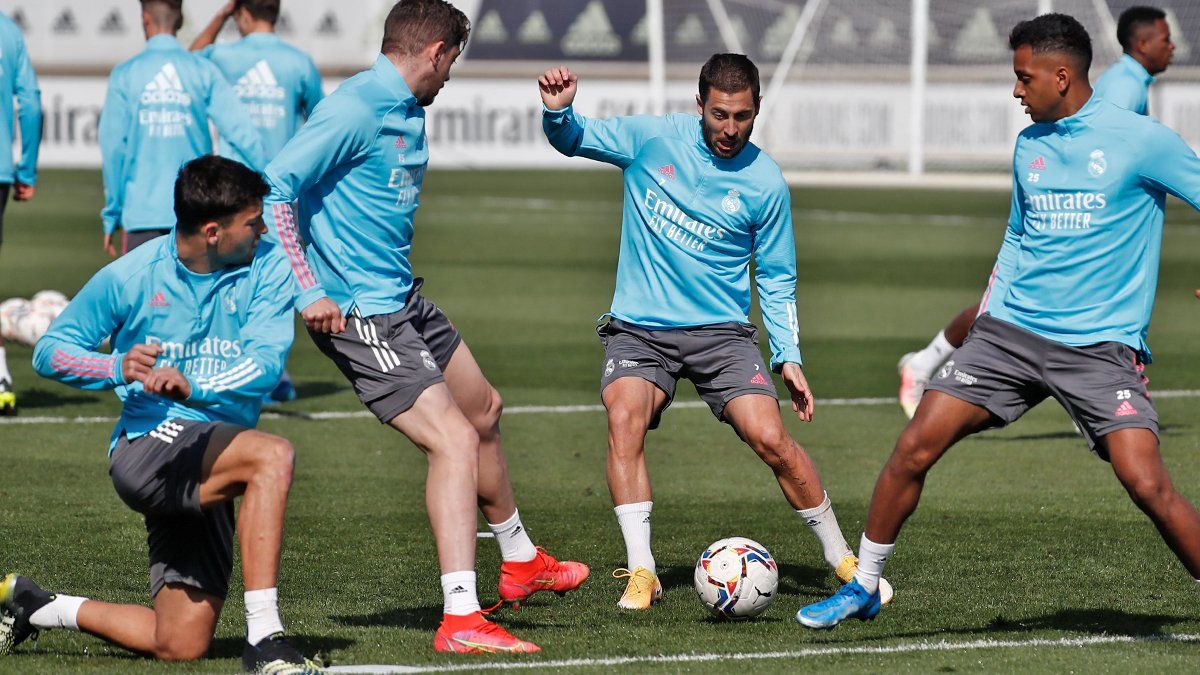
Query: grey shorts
[132,240]
[1008,370]
[158,475]
[391,358]
[722,360]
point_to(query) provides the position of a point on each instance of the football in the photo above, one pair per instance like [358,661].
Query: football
[736,578]
[49,302]
[11,311]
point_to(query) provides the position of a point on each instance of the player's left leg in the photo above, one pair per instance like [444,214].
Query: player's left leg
[526,569]
[1135,457]
[8,396]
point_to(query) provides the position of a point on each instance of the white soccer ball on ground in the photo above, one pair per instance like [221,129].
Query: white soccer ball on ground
[31,327]
[11,311]
[736,578]
[49,302]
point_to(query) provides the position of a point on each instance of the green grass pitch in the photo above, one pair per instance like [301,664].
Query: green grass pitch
[1022,535]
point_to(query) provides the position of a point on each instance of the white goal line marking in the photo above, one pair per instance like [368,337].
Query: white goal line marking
[515,410]
[903,648]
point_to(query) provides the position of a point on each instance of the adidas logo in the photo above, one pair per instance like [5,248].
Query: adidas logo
[758,379]
[1038,164]
[159,300]
[457,589]
[166,87]
[400,143]
[666,173]
[516,531]
[259,82]
[1125,409]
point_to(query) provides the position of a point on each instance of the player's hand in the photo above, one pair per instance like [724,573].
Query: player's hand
[1198,293]
[558,87]
[802,396]
[168,383]
[23,192]
[139,361]
[227,10]
[324,316]
[110,246]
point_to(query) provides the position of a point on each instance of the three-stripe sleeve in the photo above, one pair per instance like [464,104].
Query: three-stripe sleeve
[67,352]
[775,256]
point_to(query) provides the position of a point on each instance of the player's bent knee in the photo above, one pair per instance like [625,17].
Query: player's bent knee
[183,649]
[277,457]
[913,453]
[1149,492]
[627,420]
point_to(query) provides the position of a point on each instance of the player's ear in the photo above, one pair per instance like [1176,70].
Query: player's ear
[699,104]
[435,52]
[209,230]
[1063,79]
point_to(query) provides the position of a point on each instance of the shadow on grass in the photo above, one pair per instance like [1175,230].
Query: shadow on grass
[428,618]
[231,648]
[319,388]
[45,398]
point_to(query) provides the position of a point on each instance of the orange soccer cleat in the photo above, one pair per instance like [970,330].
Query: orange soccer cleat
[519,580]
[473,634]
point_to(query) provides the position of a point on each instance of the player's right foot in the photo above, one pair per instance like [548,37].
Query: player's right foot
[850,602]
[848,567]
[912,384]
[8,398]
[642,590]
[19,599]
[274,655]
[473,634]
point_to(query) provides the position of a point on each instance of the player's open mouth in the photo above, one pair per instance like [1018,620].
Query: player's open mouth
[725,146]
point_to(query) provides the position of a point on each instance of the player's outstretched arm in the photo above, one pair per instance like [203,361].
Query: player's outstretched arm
[558,87]
[67,352]
[213,29]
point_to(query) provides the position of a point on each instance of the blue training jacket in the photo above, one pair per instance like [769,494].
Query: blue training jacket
[278,84]
[692,223]
[1079,263]
[155,120]
[1126,84]
[227,332]
[355,171]
[17,80]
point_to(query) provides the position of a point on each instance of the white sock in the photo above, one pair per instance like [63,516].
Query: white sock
[824,525]
[262,614]
[634,520]
[4,374]
[458,593]
[515,545]
[871,559]
[61,612]
[933,355]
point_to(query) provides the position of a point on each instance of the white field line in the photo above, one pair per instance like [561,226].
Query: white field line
[515,410]
[902,648]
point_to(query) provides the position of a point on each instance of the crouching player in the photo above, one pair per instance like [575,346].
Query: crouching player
[199,334]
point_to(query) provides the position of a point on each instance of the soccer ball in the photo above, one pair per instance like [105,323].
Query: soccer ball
[31,327]
[736,578]
[50,303]
[11,311]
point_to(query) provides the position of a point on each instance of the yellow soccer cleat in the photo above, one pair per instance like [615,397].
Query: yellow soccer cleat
[8,398]
[642,590]
[849,566]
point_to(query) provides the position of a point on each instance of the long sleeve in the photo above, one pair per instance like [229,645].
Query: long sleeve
[332,136]
[1171,165]
[614,141]
[775,258]
[67,352]
[1006,260]
[233,123]
[311,92]
[29,103]
[266,339]
[114,149]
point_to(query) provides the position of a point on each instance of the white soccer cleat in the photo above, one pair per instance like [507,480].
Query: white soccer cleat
[912,385]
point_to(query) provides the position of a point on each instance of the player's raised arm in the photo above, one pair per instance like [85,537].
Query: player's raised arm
[68,351]
[209,35]
[615,141]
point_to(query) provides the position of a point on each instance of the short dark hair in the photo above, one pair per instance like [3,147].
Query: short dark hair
[1054,33]
[413,24]
[164,13]
[263,10]
[729,73]
[1133,19]
[213,188]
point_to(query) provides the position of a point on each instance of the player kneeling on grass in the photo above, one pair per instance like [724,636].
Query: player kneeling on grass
[199,334]
[1068,307]
[701,201]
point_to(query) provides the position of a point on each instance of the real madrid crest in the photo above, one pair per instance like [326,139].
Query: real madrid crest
[731,204]
[1097,165]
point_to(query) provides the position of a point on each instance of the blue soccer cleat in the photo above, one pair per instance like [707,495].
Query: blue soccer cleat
[850,602]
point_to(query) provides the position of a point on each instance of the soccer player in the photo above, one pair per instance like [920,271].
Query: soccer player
[198,335]
[356,170]
[278,84]
[701,201]
[17,81]
[155,119]
[1145,38]
[1067,310]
